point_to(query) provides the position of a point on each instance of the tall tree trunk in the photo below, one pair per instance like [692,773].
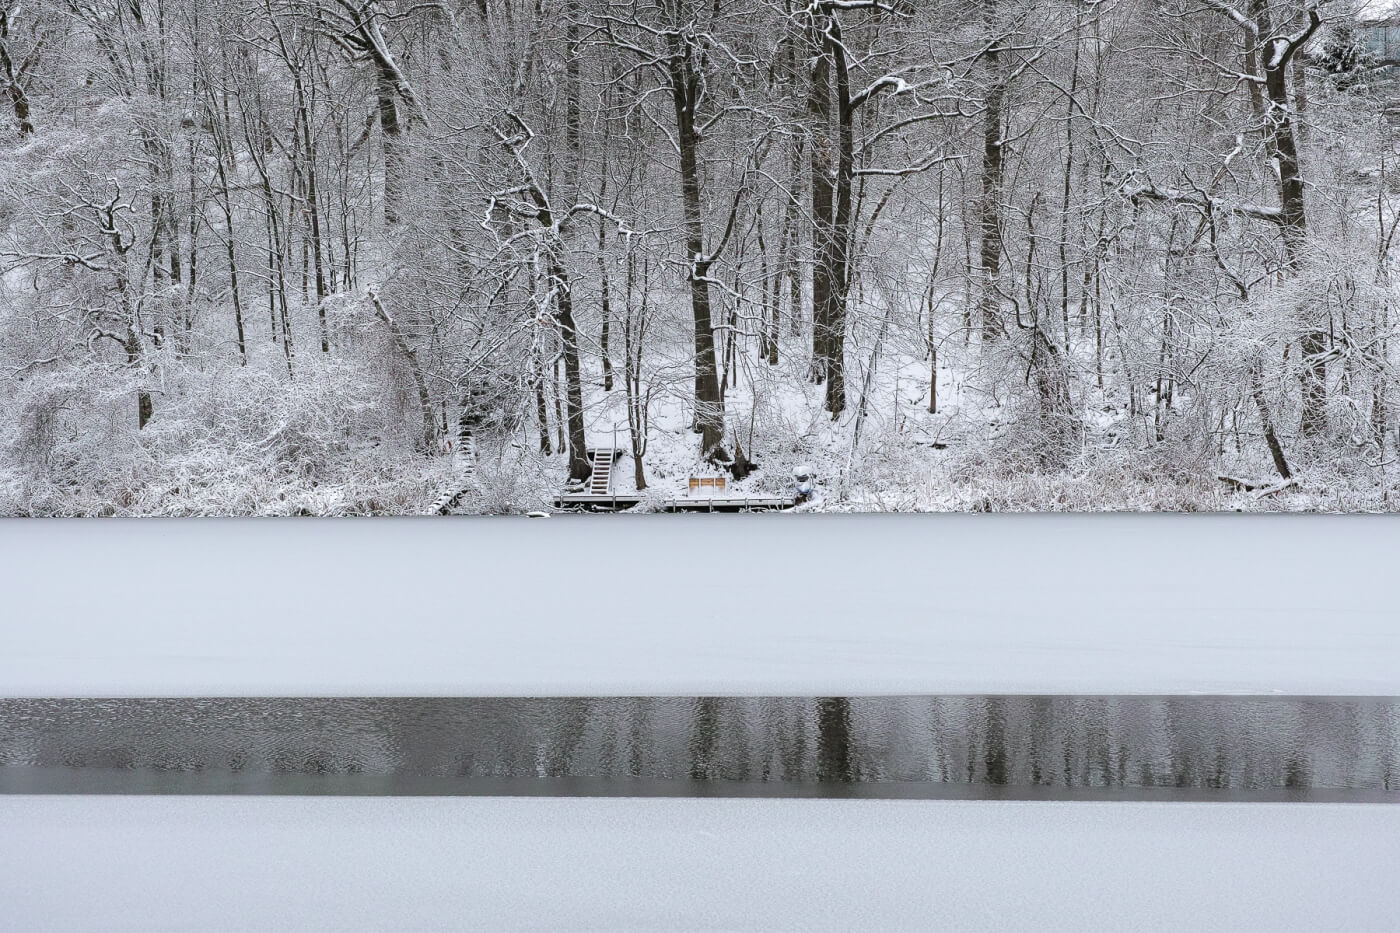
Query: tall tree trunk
[224,160]
[580,467]
[841,230]
[542,409]
[775,302]
[1266,419]
[145,408]
[933,378]
[313,210]
[1284,144]
[781,272]
[605,332]
[791,264]
[226,204]
[258,143]
[1071,103]
[633,334]
[366,37]
[709,399]
[426,443]
[767,313]
[573,115]
[561,439]
[989,207]
[391,133]
[823,172]
[1046,363]
[13,75]
[559,288]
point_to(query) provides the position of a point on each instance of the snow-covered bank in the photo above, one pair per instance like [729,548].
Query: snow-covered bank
[695,605]
[491,864]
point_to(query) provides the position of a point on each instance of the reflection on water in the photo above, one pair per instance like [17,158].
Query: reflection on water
[1085,747]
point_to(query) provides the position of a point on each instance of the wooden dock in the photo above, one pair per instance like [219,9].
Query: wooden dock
[591,502]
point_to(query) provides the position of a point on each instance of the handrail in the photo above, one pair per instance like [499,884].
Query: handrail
[612,462]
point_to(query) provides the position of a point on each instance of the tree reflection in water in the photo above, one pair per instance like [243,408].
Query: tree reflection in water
[616,743]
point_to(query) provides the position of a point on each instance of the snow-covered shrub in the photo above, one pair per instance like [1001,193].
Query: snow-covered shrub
[513,483]
[226,440]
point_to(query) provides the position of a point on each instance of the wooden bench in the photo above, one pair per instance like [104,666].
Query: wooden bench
[714,484]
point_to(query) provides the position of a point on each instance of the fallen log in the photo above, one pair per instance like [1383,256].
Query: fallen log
[1258,488]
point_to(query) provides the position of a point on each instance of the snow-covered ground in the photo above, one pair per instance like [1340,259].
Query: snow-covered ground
[153,864]
[778,604]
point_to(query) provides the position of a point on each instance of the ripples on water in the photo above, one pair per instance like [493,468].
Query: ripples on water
[1090,747]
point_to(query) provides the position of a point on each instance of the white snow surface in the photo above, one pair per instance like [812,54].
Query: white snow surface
[148,864]
[773,604]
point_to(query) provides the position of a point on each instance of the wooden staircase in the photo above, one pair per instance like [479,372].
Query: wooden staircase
[600,482]
[463,475]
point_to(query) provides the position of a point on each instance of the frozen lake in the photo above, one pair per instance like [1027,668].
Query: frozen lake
[948,633]
[970,747]
[543,865]
[778,605]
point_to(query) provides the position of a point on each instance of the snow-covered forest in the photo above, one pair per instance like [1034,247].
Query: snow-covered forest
[286,256]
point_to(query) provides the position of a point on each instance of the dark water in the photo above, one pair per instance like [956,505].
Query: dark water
[1017,747]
